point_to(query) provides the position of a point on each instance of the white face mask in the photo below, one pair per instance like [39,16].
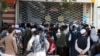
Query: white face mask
[75,31]
[7,33]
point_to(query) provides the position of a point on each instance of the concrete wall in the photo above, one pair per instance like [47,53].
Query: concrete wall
[97,14]
[9,16]
[84,1]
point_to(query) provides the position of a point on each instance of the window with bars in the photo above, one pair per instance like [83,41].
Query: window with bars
[31,11]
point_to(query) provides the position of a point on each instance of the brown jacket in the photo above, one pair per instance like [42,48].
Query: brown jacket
[9,43]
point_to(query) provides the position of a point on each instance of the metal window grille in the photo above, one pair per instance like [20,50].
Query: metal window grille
[31,11]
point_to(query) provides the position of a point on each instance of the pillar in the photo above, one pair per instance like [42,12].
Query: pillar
[87,13]
[17,12]
[95,15]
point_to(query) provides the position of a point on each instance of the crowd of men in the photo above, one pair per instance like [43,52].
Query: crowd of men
[31,39]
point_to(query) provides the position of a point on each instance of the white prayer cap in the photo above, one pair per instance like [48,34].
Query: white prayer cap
[33,29]
[18,31]
[58,30]
[82,31]
[75,25]
[16,26]
[41,26]
[12,26]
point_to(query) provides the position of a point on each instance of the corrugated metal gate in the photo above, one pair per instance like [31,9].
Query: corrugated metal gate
[31,11]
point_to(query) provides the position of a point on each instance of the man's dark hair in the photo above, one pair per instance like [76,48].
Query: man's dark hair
[49,33]
[5,26]
[22,25]
[10,29]
[28,25]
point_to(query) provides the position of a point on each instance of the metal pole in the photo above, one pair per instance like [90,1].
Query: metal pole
[92,14]
[0,16]
[17,12]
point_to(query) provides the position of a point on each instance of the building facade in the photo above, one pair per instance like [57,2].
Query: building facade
[85,10]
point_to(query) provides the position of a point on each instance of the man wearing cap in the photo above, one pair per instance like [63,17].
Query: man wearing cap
[82,44]
[35,44]
[18,36]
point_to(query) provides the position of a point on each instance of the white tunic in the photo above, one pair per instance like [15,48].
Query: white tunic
[40,53]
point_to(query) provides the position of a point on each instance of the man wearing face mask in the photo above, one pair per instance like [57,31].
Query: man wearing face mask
[72,37]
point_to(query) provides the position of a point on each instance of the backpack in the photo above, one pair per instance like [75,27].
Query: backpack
[38,45]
